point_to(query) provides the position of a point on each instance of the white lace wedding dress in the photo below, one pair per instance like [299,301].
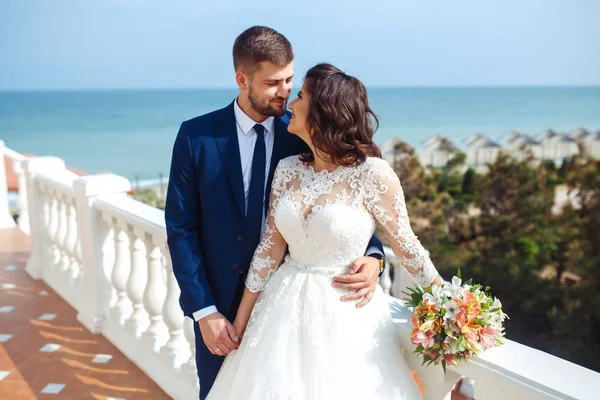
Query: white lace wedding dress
[302,342]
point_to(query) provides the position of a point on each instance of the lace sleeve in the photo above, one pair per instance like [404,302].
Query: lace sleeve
[272,247]
[384,199]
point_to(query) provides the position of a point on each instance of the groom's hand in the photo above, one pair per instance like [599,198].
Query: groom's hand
[362,277]
[218,334]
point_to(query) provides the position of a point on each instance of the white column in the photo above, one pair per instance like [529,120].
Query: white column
[120,272]
[36,206]
[177,349]
[71,244]
[385,281]
[94,234]
[138,279]
[189,368]
[6,220]
[22,202]
[154,295]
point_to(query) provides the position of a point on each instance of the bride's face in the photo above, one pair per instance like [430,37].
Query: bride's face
[300,108]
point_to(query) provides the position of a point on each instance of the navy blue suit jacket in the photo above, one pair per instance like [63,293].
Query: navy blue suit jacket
[205,205]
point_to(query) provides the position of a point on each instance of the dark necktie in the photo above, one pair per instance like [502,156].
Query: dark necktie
[256,196]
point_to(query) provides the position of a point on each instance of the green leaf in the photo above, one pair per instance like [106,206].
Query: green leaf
[444,366]
[459,273]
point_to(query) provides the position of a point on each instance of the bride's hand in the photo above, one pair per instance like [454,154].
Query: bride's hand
[240,326]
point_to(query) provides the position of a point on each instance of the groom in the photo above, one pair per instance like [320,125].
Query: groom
[221,172]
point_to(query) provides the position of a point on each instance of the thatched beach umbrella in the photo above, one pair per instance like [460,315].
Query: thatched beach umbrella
[432,142]
[482,151]
[523,140]
[580,133]
[511,136]
[559,147]
[547,134]
[473,138]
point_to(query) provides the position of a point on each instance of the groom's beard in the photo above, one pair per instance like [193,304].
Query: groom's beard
[265,107]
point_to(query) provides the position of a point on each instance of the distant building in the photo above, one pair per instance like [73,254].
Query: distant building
[481,150]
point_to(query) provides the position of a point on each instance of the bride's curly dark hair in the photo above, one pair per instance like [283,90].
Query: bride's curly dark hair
[339,117]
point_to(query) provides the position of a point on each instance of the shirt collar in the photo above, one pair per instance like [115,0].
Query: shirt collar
[247,124]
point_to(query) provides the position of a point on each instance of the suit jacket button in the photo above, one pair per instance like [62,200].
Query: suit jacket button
[235,266]
[240,238]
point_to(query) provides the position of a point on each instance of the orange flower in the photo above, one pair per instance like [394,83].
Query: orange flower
[469,308]
[425,308]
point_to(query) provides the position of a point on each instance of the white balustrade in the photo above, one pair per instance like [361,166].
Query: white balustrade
[138,279]
[146,322]
[23,210]
[40,211]
[155,293]
[106,254]
[97,246]
[177,350]
[61,233]
[6,219]
[190,368]
[121,310]
[385,280]
[512,371]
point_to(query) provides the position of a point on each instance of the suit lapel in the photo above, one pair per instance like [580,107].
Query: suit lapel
[229,150]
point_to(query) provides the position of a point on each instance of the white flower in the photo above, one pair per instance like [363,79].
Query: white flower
[451,342]
[453,288]
[451,310]
[437,296]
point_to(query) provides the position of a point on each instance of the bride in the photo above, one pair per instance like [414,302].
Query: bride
[299,341]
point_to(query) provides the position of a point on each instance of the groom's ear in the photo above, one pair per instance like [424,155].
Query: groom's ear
[242,80]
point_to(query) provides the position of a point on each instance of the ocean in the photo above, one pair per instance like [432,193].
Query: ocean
[131,132]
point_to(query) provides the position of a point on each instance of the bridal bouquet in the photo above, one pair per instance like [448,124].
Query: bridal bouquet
[455,321]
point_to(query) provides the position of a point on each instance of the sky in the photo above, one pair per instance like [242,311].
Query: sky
[110,44]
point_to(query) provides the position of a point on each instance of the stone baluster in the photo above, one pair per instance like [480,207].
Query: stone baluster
[40,212]
[120,272]
[177,349]
[189,368]
[138,321]
[97,253]
[23,221]
[61,240]
[71,243]
[384,280]
[6,219]
[154,295]
[53,230]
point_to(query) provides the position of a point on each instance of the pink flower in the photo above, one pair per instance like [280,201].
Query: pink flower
[469,308]
[486,336]
[451,361]
[433,354]
[414,320]
[424,338]
[429,340]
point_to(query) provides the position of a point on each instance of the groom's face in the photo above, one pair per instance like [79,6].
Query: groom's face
[270,88]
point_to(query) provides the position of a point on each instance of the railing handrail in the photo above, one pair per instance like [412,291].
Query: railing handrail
[136,213]
[554,378]
[13,155]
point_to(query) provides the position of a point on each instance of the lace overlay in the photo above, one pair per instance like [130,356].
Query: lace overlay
[327,219]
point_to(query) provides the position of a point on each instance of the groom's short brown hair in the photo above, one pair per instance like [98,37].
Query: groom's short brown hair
[261,43]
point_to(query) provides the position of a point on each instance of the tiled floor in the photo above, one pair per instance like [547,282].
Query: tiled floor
[45,353]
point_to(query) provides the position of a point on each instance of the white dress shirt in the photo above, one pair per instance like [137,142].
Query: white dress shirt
[247,139]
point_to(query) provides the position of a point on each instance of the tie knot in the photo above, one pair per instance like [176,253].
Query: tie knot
[259,129]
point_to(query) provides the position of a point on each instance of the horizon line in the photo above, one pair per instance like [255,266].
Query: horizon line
[165,88]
